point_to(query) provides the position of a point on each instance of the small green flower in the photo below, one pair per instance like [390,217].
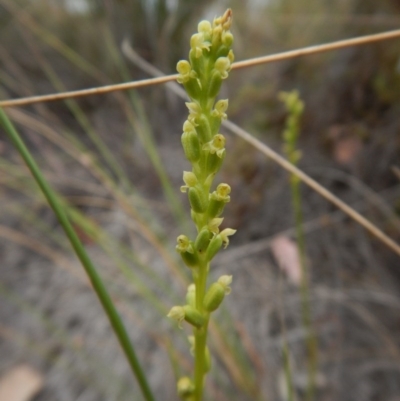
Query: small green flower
[198,43]
[194,112]
[185,388]
[214,224]
[216,145]
[177,313]
[185,72]
[225,234]
[220,108]
[190,180]
[184,245]
[223,66]
[222,193]
[225,281]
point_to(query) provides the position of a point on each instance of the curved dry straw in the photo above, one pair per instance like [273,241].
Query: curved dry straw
[241,64]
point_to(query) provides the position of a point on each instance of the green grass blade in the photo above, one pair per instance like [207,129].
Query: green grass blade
[109,308]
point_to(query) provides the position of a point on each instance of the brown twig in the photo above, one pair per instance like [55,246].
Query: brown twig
[241,64]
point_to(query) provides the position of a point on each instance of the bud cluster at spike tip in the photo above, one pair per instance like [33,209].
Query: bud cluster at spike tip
[210,61]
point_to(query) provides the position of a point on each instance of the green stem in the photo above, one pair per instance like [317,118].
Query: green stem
[304,288]
[98,285]
[200,335]
[200,361]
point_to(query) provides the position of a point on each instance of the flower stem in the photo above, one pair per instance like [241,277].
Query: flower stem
[200,368]
[200,362]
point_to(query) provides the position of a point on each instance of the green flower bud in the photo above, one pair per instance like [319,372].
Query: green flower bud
[214,297]
[205,28]
[223,51]
[214,246]
[227,38]
[202,240]
[214,84]
[193,87]
[214,162]
[215,208]
[191,260]
[185,388]
[193,316]
[196,62]
[203,129]
[191,295]
[221,25]
[226,19]
[216,293]
[231,56]
[188,253]
[188,313]
[191,146]
[189,179]
[216,35]
[198,200]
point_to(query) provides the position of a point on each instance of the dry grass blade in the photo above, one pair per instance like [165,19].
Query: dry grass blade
[277,158]
[88,92]
[241,64]
[306,51]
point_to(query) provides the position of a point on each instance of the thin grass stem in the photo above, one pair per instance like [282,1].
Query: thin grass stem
[98,285]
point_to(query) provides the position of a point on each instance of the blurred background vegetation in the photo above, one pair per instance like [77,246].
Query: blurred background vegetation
[116,161]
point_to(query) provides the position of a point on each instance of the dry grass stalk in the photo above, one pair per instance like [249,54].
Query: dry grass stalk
[241,64]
